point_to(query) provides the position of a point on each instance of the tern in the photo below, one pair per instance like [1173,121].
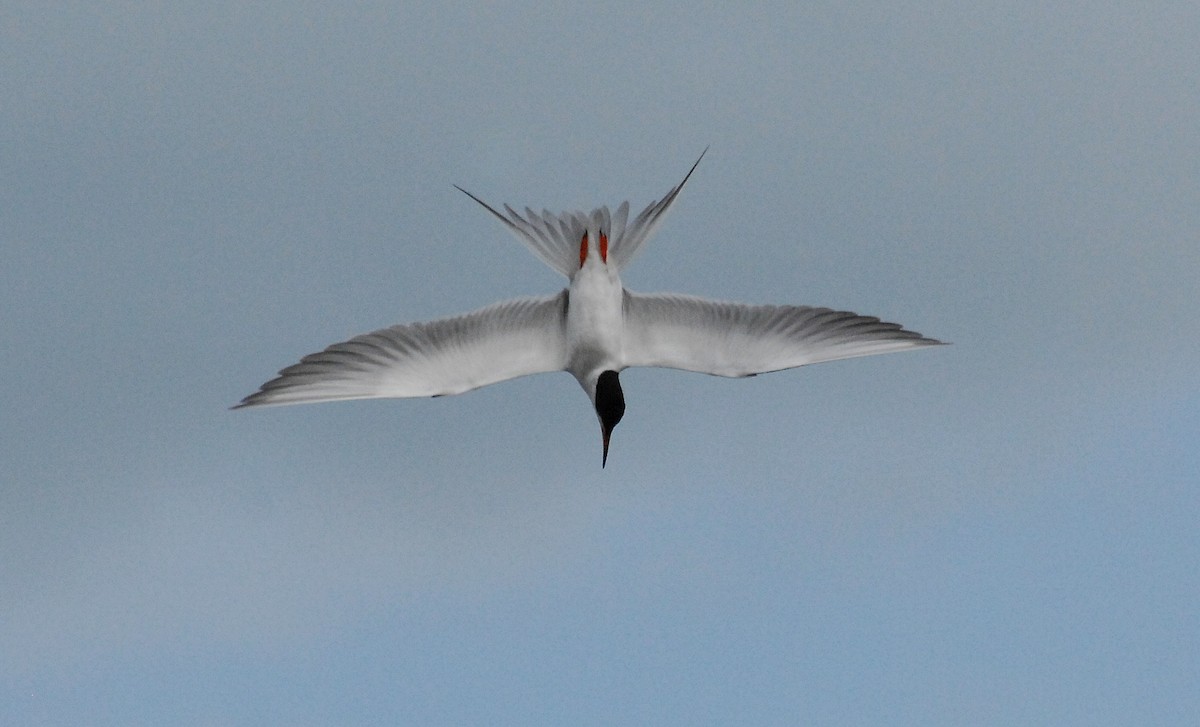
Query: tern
[594,329]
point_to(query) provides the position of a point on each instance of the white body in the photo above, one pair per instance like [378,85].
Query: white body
[595,322]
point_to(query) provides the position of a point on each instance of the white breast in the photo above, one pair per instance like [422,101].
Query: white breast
[594,321]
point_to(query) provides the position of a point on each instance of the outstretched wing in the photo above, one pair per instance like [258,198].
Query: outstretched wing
[734,339]
[555,238]
[448,356]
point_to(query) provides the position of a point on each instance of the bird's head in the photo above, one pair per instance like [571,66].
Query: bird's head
[610,406]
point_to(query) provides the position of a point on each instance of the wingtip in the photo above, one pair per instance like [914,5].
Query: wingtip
[257,400]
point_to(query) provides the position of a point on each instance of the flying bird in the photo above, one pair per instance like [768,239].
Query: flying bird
[593,329]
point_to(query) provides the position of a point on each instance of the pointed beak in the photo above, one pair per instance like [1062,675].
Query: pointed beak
[605,433]
[610,406]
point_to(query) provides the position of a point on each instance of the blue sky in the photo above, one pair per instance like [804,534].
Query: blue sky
[997,532]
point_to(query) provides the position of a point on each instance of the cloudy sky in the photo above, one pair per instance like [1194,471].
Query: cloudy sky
[1002,531]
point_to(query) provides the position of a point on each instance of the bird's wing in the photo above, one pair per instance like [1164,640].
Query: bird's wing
[625,244]
[555,239]
[448,356]
[734,339]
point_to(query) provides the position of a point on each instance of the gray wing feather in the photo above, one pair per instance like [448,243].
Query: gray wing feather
[734,339]
[448,356]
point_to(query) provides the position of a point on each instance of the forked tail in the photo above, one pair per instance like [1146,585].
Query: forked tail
[559,240]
